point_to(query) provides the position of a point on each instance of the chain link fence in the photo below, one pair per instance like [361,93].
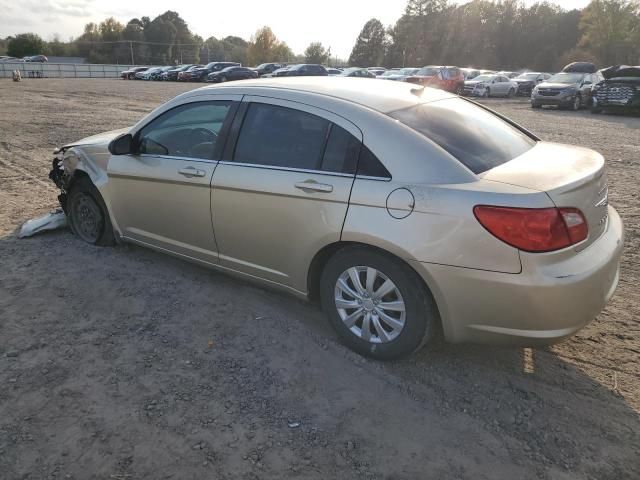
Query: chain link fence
[62,70]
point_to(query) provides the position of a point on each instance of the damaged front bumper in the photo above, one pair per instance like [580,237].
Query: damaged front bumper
[59,176]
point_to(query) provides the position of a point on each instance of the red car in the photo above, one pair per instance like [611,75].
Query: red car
[450,79]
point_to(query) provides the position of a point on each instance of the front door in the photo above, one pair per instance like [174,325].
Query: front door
[161,194]
[282,193]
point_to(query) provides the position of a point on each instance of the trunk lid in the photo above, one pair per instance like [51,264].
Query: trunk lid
[570,176]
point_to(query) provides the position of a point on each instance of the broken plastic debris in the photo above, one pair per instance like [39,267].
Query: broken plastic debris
[50,221]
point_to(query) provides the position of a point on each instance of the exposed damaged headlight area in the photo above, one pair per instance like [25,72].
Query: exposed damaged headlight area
[60,177]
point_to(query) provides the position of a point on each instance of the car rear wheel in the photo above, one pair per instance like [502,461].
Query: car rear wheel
[88,216]
[378,305]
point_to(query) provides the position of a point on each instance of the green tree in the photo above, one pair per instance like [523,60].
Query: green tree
[610,30]
[25,44]
[316,53]
[370,45]
[265,47]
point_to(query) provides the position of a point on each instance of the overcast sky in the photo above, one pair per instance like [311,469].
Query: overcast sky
[335,23]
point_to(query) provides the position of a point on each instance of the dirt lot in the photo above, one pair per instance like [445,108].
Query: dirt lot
[121,363]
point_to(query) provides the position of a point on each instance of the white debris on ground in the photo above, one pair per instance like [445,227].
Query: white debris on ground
[51,221]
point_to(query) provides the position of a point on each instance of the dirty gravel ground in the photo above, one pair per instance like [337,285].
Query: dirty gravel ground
[122,363]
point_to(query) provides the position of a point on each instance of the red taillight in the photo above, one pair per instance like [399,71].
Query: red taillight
[534,229]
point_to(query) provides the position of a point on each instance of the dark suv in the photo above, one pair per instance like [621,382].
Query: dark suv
[528,80]
[200,74]
[620,90]
[305,70]
[267,68]
[565,90]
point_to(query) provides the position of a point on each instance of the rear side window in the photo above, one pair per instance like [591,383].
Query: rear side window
[477,138]
[341,152]
[281,137]
[370,166]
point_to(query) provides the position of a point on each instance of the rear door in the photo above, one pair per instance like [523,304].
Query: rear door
[281,193]
[160,196]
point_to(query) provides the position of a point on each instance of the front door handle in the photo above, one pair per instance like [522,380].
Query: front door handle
[191,172]
[313,186]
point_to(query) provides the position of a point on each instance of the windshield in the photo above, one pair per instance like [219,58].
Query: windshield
[407,71]
[567,78]
[477,138]
[528,76]
[428,72]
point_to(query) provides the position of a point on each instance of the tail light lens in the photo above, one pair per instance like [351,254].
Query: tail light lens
[534,229]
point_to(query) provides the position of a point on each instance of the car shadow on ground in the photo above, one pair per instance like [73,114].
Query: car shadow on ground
[131,359]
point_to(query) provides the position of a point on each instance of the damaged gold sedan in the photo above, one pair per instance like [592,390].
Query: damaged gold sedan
[405,210]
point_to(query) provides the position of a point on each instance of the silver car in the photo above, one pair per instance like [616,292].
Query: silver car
[405,211]
[490,86]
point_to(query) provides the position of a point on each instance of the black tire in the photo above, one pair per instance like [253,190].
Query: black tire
[87,214]
[511,93]
[577,103]
[421,315]
[535,105]
[595,109]
[487,93]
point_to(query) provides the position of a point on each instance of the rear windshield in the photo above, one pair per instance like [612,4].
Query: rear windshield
[477,138]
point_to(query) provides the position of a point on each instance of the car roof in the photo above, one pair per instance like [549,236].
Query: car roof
[381,96]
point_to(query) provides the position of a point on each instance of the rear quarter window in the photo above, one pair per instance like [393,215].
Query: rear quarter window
[477,138]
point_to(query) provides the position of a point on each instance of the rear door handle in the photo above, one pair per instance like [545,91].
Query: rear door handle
[312,185]
[191,172]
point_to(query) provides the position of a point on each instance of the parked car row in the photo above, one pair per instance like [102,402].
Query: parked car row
[578,85]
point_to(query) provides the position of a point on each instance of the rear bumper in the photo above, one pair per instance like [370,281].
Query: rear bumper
[553,297]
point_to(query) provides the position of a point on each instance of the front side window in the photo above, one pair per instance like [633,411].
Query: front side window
[281,137]
[190,130]
[477,138]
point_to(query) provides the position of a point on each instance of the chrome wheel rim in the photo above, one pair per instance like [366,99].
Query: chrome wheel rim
[370,304]
[87,218]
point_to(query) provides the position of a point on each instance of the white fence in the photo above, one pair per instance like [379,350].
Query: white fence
[61,70]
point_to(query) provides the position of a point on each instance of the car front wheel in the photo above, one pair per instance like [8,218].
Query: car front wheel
[377,304]
[87,213]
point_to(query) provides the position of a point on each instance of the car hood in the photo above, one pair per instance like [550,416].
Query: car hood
[473,82]
[621,71]
[521,80]
[559,86]
[99,139]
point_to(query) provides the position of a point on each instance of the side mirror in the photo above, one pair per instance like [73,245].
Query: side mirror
[121,145]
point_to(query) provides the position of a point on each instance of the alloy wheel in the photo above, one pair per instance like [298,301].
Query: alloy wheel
[370,304]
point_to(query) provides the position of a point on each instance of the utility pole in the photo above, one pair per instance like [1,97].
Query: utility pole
[131,48]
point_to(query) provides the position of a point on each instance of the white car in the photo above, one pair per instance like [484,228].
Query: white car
[490,86]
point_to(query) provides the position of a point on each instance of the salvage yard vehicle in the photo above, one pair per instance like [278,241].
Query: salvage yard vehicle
[131,73]
[565,90]
[172,74]
[490,86]
[356,72]
[619,91]
[450,79]
[404,210]
[528,80]
[266,68]
[202,74]
[232,73]
[399,75]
